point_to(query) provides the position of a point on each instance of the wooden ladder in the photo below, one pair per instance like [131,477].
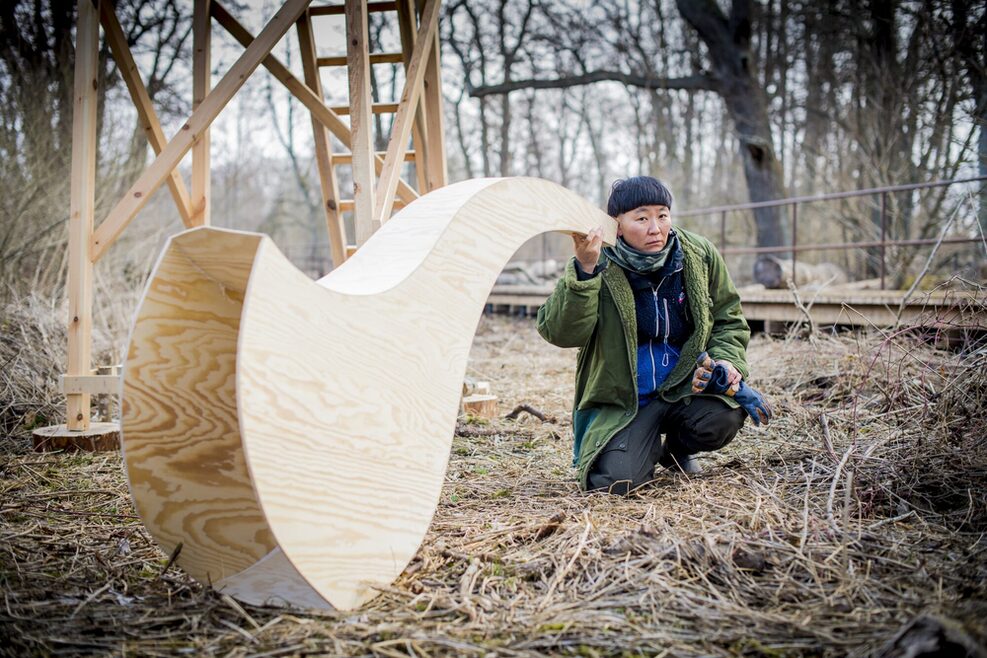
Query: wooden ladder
[417,115]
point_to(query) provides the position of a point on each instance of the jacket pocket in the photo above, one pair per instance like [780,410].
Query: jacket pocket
[581,421]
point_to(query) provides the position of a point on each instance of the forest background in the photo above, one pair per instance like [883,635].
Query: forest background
[728,102]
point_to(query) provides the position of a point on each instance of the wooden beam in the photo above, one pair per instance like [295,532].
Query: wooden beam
[376,108]
[406,24]
[347,158]
[347,205]
[401,128]
[201,82]
[152,177]
[362,145]
[313,103]
[435,152]
[142,103]
[339,10]
[375,58]
[92,384]
[82,208]
[323,148]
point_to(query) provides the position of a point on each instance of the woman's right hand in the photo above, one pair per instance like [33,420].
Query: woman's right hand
[588,249]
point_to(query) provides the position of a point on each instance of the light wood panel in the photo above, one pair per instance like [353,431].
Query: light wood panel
[332,443]
[272,580]
[375,369]
[185,462]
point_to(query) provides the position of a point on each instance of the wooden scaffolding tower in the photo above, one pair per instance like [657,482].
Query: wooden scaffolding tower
[377,183]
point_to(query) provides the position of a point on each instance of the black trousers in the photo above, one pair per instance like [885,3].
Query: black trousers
[691,425]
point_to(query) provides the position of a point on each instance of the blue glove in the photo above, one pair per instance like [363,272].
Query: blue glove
[753,403]
[718,381]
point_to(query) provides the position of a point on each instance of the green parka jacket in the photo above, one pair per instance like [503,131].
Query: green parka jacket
[597,315]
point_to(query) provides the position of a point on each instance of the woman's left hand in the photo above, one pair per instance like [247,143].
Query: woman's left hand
[733,375]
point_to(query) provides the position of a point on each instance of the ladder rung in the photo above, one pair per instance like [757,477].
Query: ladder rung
[347,205]
[375,58]
[339,10]
[376,108]
[347,158]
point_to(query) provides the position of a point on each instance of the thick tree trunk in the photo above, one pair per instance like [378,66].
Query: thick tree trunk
[728,42]
[970,41]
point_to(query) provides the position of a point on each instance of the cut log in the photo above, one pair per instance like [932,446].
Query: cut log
[773,272]
[481,406]
[100,437]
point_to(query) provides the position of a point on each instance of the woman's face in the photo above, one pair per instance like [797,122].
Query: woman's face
[645,228]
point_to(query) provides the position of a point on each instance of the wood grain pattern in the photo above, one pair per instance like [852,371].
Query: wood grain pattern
[181,441]
[346,389]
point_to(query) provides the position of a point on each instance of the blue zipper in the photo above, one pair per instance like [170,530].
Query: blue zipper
[664,360]
[651,343]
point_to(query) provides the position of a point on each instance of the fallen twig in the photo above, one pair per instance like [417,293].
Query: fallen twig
[531,410]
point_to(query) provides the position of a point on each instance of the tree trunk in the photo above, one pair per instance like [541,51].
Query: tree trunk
[728,42]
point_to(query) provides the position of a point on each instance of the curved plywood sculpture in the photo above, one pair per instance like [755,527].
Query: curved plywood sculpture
[293,435]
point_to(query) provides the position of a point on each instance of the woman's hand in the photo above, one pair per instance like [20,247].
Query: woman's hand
[733,375]
[588,249]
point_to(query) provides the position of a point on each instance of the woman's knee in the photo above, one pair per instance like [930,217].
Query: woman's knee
[712,431]
[614,473]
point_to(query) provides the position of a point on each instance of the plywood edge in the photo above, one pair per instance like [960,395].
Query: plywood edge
[404,242]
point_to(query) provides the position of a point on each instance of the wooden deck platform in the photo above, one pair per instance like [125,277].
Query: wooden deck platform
[829,307]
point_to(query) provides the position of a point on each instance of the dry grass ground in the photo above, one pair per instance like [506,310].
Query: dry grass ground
[861,507]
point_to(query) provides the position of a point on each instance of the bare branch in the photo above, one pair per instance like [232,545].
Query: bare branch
[699,82]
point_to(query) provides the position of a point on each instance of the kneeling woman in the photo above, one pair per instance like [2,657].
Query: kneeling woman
[642,312]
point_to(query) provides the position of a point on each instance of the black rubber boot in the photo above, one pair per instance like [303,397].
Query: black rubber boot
[687,464]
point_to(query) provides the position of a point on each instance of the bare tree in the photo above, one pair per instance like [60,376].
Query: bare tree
[37,59]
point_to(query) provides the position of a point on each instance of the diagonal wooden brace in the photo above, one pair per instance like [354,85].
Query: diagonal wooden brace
[156,173]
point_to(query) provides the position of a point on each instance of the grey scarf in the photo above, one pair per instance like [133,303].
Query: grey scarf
[631,259]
